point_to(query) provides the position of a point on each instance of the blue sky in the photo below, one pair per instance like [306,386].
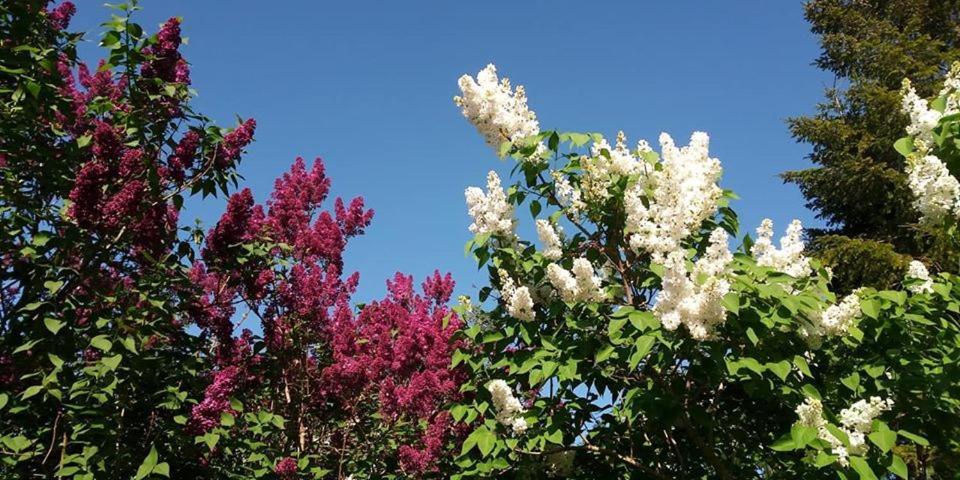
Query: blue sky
[368,87]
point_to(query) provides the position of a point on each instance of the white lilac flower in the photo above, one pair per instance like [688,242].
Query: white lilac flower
[951,90]
[568,196]
[604,164]
[695,299]
[918,272]
[550,237]
[618,160]
[836,319]
[580,285]
[517,299]
[789,257]
[810,413]
[509,411]
[923,119]
[588,283]
[935,190]
[679,197]
[521,304]
[859,417]
[498,112]
[856,422]
[562,281]
[491,211]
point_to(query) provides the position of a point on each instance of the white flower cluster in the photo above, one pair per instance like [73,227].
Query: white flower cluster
[499,113]
[518,299]
[789,257]
[918,272]
[695,299]
[618,160]
[582,285]
[509,410]
[681,196]
[491,211]
[923,119]
[550,237]
[936,192]
[951,89]
[568,196]
[837,319]
[856,422]
[604,164]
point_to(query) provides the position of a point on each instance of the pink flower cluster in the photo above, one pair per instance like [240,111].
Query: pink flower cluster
[121,187]
[286,469]
[103,205]
[305,298]
[165,61]
[229,149]
[322,357]
[60,16]
[401,348]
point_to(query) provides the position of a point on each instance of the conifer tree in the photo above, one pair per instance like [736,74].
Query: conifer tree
[857,185]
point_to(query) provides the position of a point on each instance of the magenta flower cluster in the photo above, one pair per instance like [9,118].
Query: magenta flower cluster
[322,358]
[400,348]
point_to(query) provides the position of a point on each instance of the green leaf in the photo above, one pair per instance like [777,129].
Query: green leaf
[31,391]
[904,146]
[34,89]
[852,382]
[66,471]
[505,148]
[823,459]
[914,438]
[641,349]
[802,435]
[4,398]
[898,467]
[883,438]
[130,344]
[615,329]
[643,320]
[55,360]
[112,362]
[604,353]
[52,286]
[31,307]
[802,365]
[101,342]
[227,419]
[555,436]
[52,324]
[468,444]
[784,444]
[162,469]
[870,307]
[780,369]
[578,139]
[894,296]
[485,440]
[860,465]
[146,468]
[731,302]
[840,434]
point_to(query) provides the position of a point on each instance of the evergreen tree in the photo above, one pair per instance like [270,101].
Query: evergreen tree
[858,186]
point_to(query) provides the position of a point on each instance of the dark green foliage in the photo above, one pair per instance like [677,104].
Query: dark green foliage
[859,262]
[858,186]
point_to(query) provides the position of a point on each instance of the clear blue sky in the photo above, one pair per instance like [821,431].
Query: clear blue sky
[368,85]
